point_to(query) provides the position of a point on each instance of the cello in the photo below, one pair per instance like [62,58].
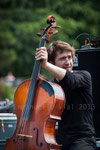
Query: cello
[38,105]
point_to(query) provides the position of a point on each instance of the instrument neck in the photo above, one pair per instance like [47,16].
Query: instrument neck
[32,87]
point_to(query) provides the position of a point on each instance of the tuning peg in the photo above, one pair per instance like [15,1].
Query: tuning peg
[42,29]
[56,27]
[55,32]
[39,34]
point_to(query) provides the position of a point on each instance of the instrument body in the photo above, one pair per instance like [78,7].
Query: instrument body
[38,106]
[39,132]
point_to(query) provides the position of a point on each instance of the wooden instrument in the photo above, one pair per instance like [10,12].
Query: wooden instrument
[38,106]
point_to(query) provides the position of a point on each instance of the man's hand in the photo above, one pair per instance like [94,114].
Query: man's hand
[41,54]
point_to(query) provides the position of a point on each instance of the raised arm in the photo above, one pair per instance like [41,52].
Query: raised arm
[57,72]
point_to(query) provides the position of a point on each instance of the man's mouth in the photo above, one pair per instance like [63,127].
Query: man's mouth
[67,67]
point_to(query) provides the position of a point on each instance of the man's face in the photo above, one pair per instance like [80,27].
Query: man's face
[64,60]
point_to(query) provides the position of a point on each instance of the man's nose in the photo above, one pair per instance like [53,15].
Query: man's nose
[67,60]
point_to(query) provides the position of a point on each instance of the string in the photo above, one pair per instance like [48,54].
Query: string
[28,103]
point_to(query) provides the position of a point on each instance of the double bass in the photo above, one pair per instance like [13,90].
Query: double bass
[38,105]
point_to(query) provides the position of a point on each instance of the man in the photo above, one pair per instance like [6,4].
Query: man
[76,130]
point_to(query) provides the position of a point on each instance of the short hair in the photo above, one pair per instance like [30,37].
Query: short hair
[59,46]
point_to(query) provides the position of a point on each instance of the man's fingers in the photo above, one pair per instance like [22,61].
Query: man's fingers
[40,55]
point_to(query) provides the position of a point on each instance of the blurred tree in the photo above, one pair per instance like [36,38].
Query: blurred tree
[6,91]
[22,19]
[7,51]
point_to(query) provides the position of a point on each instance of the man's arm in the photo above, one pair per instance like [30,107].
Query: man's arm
[57,72]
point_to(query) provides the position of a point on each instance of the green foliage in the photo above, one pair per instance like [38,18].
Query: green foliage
[20,20]
[7,39]
[6,91]
[7,51]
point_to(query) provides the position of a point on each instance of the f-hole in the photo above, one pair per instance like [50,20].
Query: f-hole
[37,134]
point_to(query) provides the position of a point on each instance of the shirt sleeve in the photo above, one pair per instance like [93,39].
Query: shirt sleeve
[78,79]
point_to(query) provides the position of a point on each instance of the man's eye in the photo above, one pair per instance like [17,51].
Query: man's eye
[63,58]
[69,57]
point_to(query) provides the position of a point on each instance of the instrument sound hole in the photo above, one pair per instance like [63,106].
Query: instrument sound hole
[37,134]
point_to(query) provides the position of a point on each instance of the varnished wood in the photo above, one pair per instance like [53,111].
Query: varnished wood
[43,117]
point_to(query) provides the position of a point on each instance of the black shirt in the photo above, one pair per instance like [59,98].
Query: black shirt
[77,117]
